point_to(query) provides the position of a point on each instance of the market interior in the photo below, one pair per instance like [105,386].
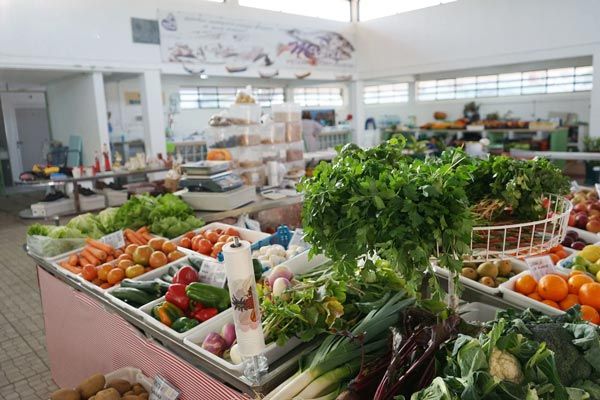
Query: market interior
[325,199]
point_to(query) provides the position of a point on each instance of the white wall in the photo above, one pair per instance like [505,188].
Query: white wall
[76,106]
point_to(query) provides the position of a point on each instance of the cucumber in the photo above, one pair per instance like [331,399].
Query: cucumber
[155,288]
[167,278]
[133,296]
[173,269]
[195,262]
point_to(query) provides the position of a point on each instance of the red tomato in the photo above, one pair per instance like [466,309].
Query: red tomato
[213,237]
[185,242]
[223,238]
[190,235]
[232,232]
[204,246]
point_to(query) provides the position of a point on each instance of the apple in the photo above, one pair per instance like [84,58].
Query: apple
[581,221]
[593,226]
[580,207]
[567,241]
[572,219]
[578,245]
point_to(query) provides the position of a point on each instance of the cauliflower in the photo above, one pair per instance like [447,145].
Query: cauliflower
[505,366]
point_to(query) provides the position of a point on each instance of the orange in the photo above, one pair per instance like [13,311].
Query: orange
[115,275]
[551,303]
[525,284]
[557,248]
[553,287]
[562,254]
[589,294]
[535,296]
[576,272]
[569,302]
[103,271]
[576,281]
[590,314]
[555,258]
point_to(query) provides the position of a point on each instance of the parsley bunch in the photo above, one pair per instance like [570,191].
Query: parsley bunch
[377,201]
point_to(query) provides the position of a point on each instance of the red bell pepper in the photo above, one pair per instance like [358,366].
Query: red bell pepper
[176,295]
[186,275]
[204,314]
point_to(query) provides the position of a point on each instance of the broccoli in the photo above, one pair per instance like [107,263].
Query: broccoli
[570,363]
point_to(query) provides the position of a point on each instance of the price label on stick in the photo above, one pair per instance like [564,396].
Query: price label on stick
[115,239]
[163,390]
[212,273]
[540,266]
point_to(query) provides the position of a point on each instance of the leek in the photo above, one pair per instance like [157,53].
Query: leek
[335,351]
[330,380]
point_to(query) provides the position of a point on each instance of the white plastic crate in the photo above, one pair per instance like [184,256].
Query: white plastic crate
[522,301]
[50,208]
[94,202]
[517,265]
[115,198]
[194,338]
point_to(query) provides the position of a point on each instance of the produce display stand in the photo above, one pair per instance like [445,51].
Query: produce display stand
[86,333]
[26,214]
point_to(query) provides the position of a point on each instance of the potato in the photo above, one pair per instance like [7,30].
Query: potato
[108,394]
[121,385]
[65,394]
[138,389]
[143,396]
[130,397]
[129,393]
[91,386]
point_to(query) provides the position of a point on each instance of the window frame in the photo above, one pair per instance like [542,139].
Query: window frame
[325,96]
[220,97]
[399,93]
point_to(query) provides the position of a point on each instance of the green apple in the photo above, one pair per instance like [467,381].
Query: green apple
[581,261]
[598,276]
[593,268]
[579,267]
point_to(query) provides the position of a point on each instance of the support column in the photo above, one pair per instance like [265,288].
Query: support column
[357,108]
[152,112]
[594,129]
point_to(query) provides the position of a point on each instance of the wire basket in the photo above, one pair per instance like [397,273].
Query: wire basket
[524,239]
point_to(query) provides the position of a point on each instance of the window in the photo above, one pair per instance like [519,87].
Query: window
[337,10]
[318,96]
[558,80]
[371,9]
[385,94]
[223,97]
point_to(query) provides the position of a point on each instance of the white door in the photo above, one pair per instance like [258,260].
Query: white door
[33,131]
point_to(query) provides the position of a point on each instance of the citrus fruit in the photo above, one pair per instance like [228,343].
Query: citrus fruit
[525,284]
[576,281]
[551,304]
[590,314]
[555,258]
[535,296]
[569,302]
[589,294]
[553,287]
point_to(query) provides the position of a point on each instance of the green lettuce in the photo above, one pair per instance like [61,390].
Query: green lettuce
[107,219]
[87,224]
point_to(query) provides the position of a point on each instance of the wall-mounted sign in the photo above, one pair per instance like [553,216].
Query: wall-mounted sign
[133,98]
[238,44]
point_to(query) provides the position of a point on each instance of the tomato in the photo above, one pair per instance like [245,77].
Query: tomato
[219,231]
[186,242]
[204,246]
[103,271]
[232,232]
[115,275]
[223,238]
[89,272]
[190,235]
[213,237]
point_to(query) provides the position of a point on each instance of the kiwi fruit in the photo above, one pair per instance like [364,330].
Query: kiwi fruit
[504,267]
[487,281]
[469,273]
[488,269]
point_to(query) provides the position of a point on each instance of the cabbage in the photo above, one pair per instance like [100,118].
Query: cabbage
[86,224]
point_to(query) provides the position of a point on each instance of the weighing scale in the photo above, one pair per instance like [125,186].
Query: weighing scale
[216,183]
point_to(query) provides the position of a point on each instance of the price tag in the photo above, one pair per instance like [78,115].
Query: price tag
[115,239]
[163,390]
[597,186]
[540,266]
[212,273]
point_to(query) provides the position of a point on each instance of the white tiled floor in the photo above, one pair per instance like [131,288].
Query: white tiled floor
[24,371]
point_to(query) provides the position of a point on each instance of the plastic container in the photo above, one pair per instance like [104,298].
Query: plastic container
[293,131]
[47,247]
[517,266]
[131,375]
[286,112]
[250,157]
[93,202]
[245,234]
[114,198]
[253,176]
[249,135]
[522,301]
[272,133]
[295,152]
[244,113]
[477,312]
[222,137]
[587,236]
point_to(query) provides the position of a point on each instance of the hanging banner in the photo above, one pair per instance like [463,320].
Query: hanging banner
[239,44]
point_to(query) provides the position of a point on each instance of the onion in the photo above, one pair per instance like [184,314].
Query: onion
[214,343]
[280,271]
[228,334]
[279,286]
[234,354]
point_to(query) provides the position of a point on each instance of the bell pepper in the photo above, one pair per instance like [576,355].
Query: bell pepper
[186,275]
[183,324]
[166,313]
[176,295]
[204,314]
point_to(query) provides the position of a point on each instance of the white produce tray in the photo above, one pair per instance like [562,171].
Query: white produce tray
[589,237]
[49,208]
[245,234]
[194,338]
[520,300]
[517,265]
[477,312]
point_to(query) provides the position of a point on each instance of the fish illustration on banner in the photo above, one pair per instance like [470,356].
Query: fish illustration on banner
[239,43]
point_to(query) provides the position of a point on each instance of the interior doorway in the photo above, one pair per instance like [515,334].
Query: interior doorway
[33,133]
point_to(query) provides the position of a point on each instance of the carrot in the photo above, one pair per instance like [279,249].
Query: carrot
[132,237]
[99,254]
[71,268]
[89,257]
[147,237]
[99,245]
[109,258]
[73,260]
[142,230]
[139,237]
[117,252]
